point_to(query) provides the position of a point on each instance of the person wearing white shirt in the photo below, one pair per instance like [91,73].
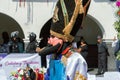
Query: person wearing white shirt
[116,46]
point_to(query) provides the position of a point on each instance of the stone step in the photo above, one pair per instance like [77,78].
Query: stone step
[106,76]
[112,75]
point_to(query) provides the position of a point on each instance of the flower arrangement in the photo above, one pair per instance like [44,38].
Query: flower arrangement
[28,74]
[117,13]
[17,75]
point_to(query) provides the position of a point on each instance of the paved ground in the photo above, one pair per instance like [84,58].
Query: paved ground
[110,75]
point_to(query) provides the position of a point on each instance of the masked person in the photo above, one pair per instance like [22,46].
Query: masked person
[31,47]
[65,24]
[15,46]
[66,21]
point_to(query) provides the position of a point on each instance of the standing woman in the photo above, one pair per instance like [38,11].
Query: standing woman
[83,49]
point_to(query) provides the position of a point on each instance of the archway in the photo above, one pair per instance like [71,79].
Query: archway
[8,24]
[45,32]
[91,28]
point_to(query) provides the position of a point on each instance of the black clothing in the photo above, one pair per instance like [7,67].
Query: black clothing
[84,51]
[59,25]
[102,62]
[59,21]
[102,57]
[49,49]
[102,47]
[32,45]
[14,48]
[31,48]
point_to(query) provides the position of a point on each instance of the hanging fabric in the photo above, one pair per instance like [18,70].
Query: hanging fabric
[24,3]
[20,2]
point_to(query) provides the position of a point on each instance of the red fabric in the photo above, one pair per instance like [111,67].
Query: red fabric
[66,50]
[40,76]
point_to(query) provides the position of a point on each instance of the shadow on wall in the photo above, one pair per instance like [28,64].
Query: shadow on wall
[34,0]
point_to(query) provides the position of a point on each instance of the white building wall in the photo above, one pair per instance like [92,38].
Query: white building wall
[34,15]
[30,17]
[103,11]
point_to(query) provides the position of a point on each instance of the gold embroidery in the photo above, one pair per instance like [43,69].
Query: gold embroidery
[78,9]
[81,10]
[64,60]
[79,76]
[66,37]
[55,16]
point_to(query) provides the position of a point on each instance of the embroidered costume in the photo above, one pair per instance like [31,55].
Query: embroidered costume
[67,19]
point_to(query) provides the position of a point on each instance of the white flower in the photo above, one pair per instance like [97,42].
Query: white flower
[19,78]
[21,72]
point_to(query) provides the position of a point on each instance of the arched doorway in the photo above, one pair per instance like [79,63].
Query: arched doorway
[45,32]
[8,24]
[91,28]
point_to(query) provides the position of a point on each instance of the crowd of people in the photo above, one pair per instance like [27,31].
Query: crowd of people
[15,44]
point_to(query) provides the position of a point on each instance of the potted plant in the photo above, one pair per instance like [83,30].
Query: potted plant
[117,13]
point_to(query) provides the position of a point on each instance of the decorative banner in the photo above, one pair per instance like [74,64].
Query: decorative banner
[20,1]
[2,55]
[14,62]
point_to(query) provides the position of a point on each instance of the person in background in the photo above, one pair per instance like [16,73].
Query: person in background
[32,45]
[14,45]
[102,56]
[4,46]
[116,46]
[78,43]
[83,49]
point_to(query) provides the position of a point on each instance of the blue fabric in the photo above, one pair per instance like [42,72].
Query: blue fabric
[57,70]
[21,49]
[117,47]
[4,48]
[46,76]
[118,65]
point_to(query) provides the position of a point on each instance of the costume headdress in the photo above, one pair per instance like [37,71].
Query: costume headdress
[68,17]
